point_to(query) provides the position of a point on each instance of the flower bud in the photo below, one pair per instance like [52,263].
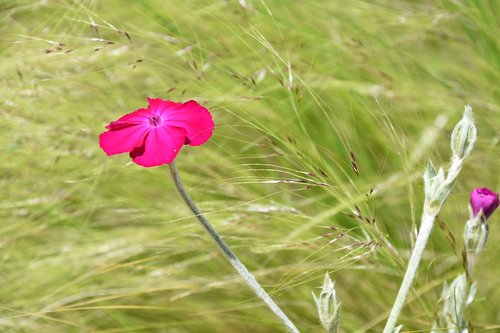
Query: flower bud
[464,135]
[475,237]
[435,189]
[483,200]
[328,307]
[455,297]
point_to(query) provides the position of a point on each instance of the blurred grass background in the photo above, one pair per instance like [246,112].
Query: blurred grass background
[326,113]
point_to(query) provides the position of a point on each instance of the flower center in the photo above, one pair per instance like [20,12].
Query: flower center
[155,120]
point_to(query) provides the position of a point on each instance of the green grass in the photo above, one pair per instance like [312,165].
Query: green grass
[96,244]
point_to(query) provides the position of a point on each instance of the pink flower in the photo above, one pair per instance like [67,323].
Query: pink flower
[154,136]
[485,200]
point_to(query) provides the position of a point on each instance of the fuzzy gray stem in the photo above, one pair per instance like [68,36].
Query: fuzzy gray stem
[238,266]
[418,250]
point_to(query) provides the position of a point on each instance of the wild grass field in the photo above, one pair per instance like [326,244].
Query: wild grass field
[326,114]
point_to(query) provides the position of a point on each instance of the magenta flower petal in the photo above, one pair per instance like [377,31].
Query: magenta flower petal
[123,140]
[483,199]
[161,146]
[125,133]
[195,119]
[138,117]
[159,106]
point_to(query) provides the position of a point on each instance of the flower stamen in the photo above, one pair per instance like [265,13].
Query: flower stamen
[155,120]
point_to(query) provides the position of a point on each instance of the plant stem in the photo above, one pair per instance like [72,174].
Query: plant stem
[418,250]
[238,266]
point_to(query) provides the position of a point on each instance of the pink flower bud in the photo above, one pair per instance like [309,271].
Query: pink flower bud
[485,200]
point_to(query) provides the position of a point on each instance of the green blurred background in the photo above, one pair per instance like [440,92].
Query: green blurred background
[326,113]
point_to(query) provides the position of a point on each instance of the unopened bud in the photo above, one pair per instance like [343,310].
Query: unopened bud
[475,237]
[483,203]
[434,181]
[483,200]
[328,307]
[464,135]
[455,297]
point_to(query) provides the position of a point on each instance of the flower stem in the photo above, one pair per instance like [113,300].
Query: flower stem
[418,250]
[238,266]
